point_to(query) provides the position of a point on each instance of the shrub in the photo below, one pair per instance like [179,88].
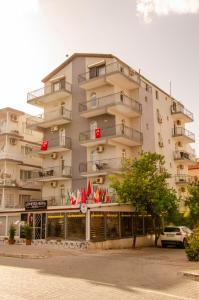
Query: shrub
[192,248]
[27,232]
[12,232]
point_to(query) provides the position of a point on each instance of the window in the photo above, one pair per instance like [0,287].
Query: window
[25,129]
[156,95]
[178,122]
[58,85]
[25,174]
[146,99]
[97,71]
[26,150]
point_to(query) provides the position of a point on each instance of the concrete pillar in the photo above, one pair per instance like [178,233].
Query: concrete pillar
[88,225]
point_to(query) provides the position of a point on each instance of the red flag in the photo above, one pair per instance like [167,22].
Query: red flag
[98,133]
[44,145]
[89,189]
[84,196]
[97,196]
[107,198]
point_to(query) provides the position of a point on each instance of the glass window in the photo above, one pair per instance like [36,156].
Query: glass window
[55,226]
[76,226]
[112,225]
[138,223]
[148,225]
[2,226]
[126,224]
[97,226]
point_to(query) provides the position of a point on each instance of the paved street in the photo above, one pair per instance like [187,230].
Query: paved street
[120,274]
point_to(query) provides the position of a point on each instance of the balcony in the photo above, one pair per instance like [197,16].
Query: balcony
[55,144]
[49,93]
[52,118]
[183,135]
[184,156]
[7,130]
[101,167]
[183,179]
[117,134]
[9,183]
[18,158]
[112,104]
[112,74]
[52,173]
[179,112]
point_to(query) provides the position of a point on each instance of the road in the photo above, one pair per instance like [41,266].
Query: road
[115,274]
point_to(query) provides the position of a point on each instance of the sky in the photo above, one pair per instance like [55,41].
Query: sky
[159,37]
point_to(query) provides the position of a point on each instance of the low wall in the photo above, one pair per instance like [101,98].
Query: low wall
[144,241]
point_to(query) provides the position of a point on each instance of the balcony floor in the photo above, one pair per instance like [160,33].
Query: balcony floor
[45,99]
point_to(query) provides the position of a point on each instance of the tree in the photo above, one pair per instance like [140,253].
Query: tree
[143,183]
[193,202]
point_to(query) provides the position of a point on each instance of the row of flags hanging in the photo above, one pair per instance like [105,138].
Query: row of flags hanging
[100,195]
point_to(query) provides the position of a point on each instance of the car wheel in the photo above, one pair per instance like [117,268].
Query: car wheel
[184,243]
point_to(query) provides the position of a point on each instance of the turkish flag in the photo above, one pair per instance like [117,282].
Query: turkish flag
[89,189]
[44,145]
[98,133]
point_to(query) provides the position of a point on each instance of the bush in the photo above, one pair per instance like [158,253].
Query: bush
[12,232]
[27,232]
[192,248]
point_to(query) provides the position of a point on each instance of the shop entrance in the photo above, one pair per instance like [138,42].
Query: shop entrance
[39,225]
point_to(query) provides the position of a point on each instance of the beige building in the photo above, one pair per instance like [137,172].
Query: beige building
[16,162]
[98,110]
[131,114]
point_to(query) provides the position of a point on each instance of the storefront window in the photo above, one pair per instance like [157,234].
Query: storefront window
[126,224]
[112,225]
[2,226]
[55,226]
[148,225]
[14,220]
[138,224]
[97,226]
[75,226]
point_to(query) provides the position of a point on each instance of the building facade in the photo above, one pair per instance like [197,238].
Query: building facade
[16,162]
[98,111]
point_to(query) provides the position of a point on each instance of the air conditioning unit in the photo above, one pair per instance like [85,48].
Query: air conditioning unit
[13,117]
[54,184]
[100,149]
[161,144]
[13,141]
[53,155]
[54,128]
[99,180]
[131,72]
[181,167]
[160,120]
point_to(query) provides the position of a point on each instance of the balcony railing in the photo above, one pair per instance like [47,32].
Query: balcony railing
[179,109]
[109,69]
[9,130]
[52,173]
[180,131]
[119,130]
[60,113]
[183,155]
[49,89]
[113,99]
[8,182]
[103,165]
[183,178]
[54,144]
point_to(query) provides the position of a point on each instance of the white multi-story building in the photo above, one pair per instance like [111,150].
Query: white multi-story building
[16,162]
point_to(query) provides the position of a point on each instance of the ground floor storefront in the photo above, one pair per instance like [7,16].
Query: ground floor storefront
[99,223]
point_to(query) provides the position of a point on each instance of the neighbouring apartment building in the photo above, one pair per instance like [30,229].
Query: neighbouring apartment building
[16,161]
[97,111]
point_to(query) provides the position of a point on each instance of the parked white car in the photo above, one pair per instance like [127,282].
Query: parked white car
[175,235]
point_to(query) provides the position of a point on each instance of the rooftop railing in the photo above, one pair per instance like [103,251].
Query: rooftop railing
[109,69]
[119,130]
[113,99]
[49,89]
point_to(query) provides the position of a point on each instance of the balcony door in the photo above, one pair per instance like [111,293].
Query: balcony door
[62,137]
[93,127]
[94,160]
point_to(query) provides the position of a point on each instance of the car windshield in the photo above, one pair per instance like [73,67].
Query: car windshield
[172,229]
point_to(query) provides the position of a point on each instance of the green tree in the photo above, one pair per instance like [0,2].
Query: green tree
[193,202]
[143,183]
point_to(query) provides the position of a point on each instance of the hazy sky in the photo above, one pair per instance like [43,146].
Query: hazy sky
[160,37]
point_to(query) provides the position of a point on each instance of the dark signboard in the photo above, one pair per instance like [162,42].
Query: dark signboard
[36,205]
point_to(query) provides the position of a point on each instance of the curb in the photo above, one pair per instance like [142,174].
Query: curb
[29,256]
[190,275]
